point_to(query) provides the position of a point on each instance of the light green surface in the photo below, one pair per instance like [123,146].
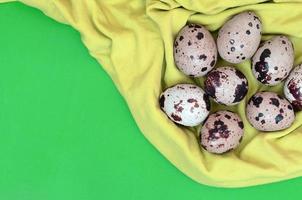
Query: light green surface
[66,133]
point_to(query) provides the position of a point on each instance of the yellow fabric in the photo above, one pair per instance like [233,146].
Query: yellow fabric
[133,40]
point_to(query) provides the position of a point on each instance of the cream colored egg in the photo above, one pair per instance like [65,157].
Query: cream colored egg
[222,132]
[268,111]
[226,85]
[293,88]
[185,104]
[239,38]
[273,61]
[195,52]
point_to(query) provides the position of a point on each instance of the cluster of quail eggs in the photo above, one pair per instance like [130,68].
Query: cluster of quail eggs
[196,54]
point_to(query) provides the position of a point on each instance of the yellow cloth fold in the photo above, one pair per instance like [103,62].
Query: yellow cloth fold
[133,40]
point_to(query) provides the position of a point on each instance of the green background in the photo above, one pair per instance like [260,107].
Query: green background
[66,132]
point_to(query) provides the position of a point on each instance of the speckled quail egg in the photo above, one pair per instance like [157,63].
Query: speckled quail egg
[268,111]
[222,132]
[226,85]
[273,61]
[185,104]
[195,51]
[239,38]
[293,88]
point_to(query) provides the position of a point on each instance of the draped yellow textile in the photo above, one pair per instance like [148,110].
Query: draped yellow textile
[133,40]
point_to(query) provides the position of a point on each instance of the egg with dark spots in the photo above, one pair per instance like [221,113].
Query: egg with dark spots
[226,85]
[268,111]
[273,61]
[195,52]
[239,38]
[293,88]
[185,104]
[221,132]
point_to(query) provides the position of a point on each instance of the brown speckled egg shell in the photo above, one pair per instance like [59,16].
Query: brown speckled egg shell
[239,38]
[268,111]
[293,88]
[195,52]
[226,85]
[185,104]
[273,61]
[222,132]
